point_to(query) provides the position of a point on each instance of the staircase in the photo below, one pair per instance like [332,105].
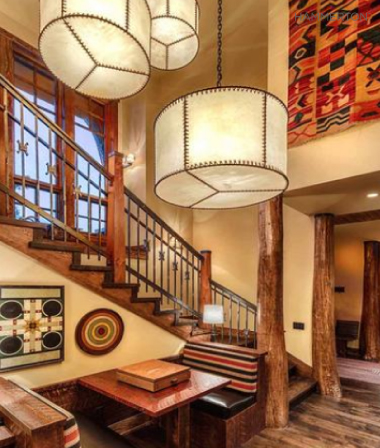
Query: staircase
[300,385]
[125,253]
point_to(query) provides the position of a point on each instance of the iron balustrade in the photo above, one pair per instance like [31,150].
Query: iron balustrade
[167,265]
[240,317]
[54,180]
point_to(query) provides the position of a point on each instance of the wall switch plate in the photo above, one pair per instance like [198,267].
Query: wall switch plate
[298,326]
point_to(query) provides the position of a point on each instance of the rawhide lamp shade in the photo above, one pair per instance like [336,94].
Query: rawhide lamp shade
[98,47]
[221,148]
[175,33]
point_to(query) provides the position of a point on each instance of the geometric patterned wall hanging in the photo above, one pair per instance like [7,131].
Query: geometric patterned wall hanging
[334,66]
[31,326]
[99,332]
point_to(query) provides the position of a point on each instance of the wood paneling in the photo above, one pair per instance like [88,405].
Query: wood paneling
[324,350]
[370,319]
[270,329]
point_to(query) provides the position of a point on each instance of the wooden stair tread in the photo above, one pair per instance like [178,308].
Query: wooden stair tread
[89,268]
[299,388]
[7,439]
[20,223]
[57,246]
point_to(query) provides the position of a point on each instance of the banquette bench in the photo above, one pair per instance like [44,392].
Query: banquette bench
[67,416]
[231,416]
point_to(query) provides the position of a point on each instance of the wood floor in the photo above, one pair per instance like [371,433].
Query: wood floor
[354,370]
[319,422]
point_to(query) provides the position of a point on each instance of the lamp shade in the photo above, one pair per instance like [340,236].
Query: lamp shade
[100,48]
[213,314]
[221,148]
[175,28]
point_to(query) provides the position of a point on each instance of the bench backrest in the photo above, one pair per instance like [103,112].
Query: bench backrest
[235,363]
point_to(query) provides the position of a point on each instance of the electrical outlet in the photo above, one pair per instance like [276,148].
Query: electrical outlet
[298,326]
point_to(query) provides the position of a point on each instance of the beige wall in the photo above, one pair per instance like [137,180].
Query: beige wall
[298,282]
[142,340]
[21,18]
[349,268]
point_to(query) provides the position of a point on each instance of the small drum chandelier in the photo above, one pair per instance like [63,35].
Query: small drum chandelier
[98,47]
[222,147]
[175,28]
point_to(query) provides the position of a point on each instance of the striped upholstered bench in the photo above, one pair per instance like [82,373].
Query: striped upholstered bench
[219,417]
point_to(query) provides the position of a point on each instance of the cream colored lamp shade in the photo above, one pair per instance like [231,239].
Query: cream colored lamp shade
[213,314]
[98,47]
[221,148]
[175,29]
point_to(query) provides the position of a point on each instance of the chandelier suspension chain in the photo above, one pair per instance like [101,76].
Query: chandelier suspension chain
[220,44]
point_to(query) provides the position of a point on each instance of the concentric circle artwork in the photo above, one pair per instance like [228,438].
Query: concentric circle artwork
[99,332]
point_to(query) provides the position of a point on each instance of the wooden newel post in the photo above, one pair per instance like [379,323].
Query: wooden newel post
[205,297]
[116,218]
[270,330]
[370,321]
[324,349]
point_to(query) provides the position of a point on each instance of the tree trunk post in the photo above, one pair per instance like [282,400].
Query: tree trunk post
[205,297]
[370,321]
[116,218]
[270,329]
[324,347]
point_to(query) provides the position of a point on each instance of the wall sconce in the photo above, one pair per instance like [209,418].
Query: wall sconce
[214,315]
[129,160]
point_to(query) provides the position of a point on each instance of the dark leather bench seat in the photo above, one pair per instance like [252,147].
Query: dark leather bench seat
[96,436]
[225,403]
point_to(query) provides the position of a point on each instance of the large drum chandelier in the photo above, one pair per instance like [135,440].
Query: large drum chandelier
[175,28]
[222,147]
[100,48]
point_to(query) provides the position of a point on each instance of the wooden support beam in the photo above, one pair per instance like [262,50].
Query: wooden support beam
[178,428]
[370,321]
[205,296]
[116,221]
[69,99]
[324,350]
[270,303]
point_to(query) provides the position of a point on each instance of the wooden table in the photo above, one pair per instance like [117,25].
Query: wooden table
[173,402]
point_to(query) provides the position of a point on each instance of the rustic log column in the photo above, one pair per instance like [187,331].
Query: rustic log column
[116,218]
[270,305]
[370,321]
[324,349]
[70,191]
[205,297]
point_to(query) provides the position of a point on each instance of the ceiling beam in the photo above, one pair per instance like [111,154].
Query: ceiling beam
[350,218]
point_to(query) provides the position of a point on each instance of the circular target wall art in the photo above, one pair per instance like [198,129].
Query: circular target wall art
[100,332]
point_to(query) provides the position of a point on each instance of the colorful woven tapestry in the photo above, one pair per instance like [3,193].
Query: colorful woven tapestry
[334,66]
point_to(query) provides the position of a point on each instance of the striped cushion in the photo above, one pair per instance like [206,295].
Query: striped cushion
[235,363]
[70,431]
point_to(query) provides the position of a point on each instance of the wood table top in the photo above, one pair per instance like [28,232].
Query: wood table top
[154,404]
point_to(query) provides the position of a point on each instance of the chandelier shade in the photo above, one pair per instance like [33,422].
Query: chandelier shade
[221,148]
[99,48]
[175,33]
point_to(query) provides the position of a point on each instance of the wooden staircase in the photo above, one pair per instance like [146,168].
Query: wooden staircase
[66,259]
[7,439]
[301,384]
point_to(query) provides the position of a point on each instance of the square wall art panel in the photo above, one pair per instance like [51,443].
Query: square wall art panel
[31,326]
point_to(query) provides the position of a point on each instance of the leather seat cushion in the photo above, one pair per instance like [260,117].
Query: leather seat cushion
[224,403]
[95,436]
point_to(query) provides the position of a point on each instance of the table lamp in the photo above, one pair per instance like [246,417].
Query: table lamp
[214,315]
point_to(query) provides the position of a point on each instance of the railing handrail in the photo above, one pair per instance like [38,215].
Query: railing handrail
[35,208]
[238,298]
[6,84]
[162,223]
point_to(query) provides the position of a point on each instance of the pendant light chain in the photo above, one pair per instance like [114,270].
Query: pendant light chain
[220,44]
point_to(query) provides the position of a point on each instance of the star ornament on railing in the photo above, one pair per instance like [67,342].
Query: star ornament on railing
[51,169]
[22,147]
